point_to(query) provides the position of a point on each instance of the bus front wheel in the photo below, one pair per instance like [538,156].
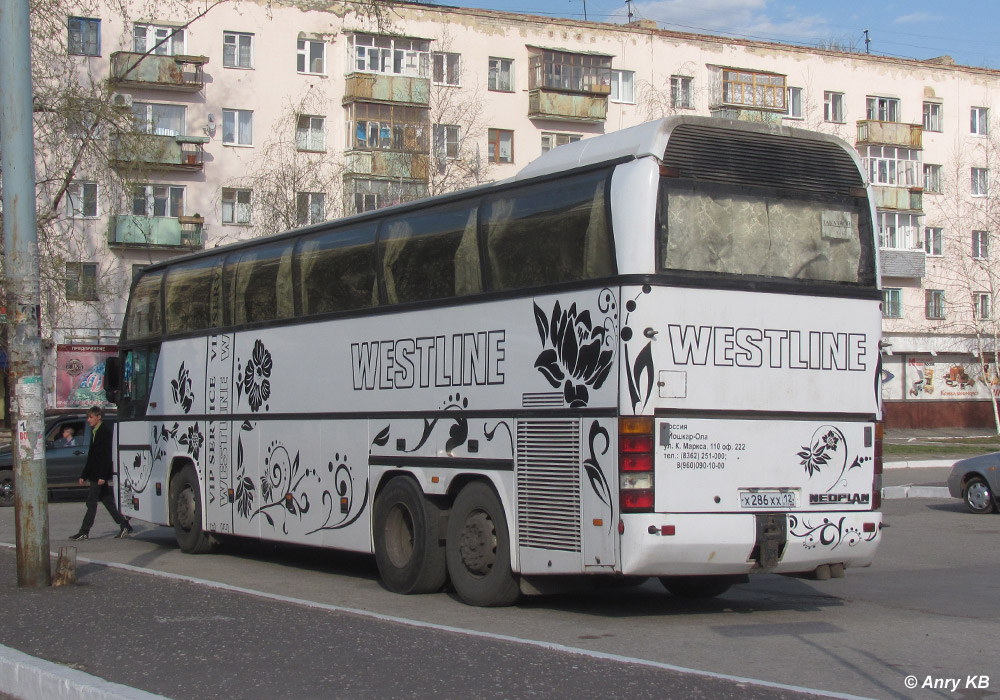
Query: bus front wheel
[478,549]
[407,537]
[185,513]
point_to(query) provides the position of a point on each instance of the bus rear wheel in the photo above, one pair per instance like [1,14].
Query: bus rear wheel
[699,586]
[408,537]
[186,513]
[478,549]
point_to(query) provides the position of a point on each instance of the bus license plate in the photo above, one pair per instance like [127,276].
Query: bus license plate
[767,499]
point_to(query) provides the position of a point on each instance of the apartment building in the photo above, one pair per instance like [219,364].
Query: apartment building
[252,118]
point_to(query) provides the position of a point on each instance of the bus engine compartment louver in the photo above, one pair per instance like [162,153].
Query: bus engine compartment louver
[548,484]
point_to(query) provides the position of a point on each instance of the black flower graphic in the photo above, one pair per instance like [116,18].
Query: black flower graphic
[815,457]
[193,440]
[182,389]
[576,354]
[256,384]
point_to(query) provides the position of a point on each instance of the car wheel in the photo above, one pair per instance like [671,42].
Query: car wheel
[978,497]
[408,541]
[6,488]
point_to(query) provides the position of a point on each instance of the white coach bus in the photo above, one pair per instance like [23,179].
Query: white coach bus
[650,353]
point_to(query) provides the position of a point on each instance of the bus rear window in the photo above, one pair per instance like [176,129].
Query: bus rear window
[144,319]
[752,231]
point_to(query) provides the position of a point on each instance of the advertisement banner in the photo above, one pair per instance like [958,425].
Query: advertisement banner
[80,375]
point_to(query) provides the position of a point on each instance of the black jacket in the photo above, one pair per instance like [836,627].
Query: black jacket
[100,462]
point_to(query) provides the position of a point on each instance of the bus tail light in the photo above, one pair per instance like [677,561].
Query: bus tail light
[877,458]
[635,463]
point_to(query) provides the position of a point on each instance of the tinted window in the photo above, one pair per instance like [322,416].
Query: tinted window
[143,318]
[547,233]
[431,254]
[260,283]
[193,293]
[337,270]
[138,369]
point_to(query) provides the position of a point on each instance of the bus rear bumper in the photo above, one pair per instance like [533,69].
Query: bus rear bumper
[726,543]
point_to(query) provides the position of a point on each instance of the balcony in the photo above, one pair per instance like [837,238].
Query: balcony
[393,164]
[567,107]
[875,132]
[898,198]
[185,73]
[747,94]
[909,264]
[376,87]
[131,231]
[134,151]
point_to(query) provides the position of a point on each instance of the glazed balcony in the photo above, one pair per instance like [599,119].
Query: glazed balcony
[390,164]
[133,151]
[376,87]
[898,198]
[131,231]
[544,103]
[873,132]
[139,70]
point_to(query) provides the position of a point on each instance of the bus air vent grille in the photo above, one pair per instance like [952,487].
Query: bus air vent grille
[548,484]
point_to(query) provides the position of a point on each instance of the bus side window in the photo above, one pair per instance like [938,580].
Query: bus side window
[189,296]
[138,370]
[264,284]
[557,231]
[431,254]
[143,319]
[337,270]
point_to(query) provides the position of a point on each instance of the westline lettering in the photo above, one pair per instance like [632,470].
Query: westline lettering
[461,359]
[778,348]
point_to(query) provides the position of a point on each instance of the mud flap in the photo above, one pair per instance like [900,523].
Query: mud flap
[772,536]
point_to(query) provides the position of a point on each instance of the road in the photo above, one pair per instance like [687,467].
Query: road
[927,608]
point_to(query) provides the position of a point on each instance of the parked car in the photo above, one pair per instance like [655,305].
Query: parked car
[63,464]
[976,481]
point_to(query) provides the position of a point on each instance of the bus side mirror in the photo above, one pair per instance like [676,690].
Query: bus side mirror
[111,367]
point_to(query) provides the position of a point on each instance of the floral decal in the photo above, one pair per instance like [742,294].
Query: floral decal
[182,389]
[576,354]
[256,383]
[592,466]
[339,505]
[829,533]
[829,451]
[639,371]
[816,456]
[192,440]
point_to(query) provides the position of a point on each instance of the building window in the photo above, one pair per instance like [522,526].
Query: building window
[158,200]
[550,140]
[933,116]
[980,245]
[794,101]
[883,109]
[237,127]
[983,306]
[235,206]
[310,207]
[755,90]
[501,75]
[934,304]
[574,72]
[980,121]
[681,96]
[934,240]
[980,182]
[310,57]
[237,50]
[158,40]
[391,55]
[833,107]
[447,68]
[385,127]
[889,165]
[159,119]
[892,304]
[932,178]
[623,86]
[447,138]
[84,36]
[81,281]
[501,146]
[898,231]
[310,133]
[369,195]
[81,200]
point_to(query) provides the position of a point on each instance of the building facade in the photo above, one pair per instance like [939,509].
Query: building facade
[252,118]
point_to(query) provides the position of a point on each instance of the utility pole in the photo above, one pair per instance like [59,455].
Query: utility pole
[867,42]
[20,232]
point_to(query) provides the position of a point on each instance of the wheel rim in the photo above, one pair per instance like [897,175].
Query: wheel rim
[185,507]
[399,536]
[978,496]
[6,489]
[478,543]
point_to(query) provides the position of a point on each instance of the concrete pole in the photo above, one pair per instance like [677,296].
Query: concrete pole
[20,233]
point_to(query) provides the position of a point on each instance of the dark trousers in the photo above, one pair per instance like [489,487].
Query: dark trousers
[104,494]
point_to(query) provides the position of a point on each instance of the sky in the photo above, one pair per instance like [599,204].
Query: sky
[966,30]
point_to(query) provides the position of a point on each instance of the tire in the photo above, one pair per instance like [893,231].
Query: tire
[478,549]
[408,539]
[186,513]
[978,496]
[6,488]
[699,587]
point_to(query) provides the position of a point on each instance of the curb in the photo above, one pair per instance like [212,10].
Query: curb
[30,678]
[911,491]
